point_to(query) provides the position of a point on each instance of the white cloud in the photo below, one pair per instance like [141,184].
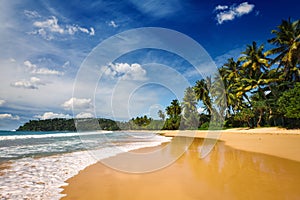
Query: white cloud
[126,71]
[75,28]
[230,13]
[219,7]
[32,83]
[30,66]
[46,71]
[42,71]
[49,26]
[31,14]
[84,115]
[92,31]
[36,81]
[77,103]
[2,102]
[51,115]
[24,84]
[113,24]
[225,16]
[9,116]
[244,8]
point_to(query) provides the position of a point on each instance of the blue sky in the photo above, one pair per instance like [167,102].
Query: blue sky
[45,43]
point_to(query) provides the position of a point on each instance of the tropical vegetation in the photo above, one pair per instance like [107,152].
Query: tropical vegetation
[260,88]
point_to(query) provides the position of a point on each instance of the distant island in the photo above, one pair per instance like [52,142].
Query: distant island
[61,124]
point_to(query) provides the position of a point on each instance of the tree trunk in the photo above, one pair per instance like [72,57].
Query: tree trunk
[259,119]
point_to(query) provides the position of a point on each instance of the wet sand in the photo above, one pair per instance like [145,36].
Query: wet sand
[271,141]
[226,173]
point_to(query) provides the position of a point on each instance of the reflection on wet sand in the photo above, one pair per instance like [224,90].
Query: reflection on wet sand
[226,173]
[244,175]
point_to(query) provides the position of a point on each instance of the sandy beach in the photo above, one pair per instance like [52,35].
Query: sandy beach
[245,164]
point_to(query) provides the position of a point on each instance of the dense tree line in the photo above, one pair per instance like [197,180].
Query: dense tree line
[141,123]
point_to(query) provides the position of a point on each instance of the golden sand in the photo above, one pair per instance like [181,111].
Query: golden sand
[226,173]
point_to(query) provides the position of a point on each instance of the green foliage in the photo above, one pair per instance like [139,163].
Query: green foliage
[174,113]
[58,124]
[204,126]
[189,110]
[245,115]
[141,121]
[289,102]
[49,125]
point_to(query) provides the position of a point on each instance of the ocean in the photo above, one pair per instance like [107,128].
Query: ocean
[34,165]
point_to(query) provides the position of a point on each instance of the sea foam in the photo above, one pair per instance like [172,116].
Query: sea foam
[42,178]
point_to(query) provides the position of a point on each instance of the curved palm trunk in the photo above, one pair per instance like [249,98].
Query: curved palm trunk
[259,119]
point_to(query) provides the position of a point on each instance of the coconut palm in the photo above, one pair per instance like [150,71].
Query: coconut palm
[189,103]
[189,109]
[201,90]
[174,110]
[254,60]
[287,50]
[255,67]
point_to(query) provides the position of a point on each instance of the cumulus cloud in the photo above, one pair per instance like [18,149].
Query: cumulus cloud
[24,84]
[84,115]
[77,103]
[42,71]
[72,29]
[230,13]
[51,26]
[9,116]
[32,83]
[126,71]
[113,24]
[219,7]
[51,115]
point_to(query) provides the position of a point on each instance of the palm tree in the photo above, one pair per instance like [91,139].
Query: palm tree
[189,109]
[232,74]
[231,70]
[189,103]
[174,110]
[201,90]
[255,67]
[161,114]
[254,60]
[174,113]
[287,42]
